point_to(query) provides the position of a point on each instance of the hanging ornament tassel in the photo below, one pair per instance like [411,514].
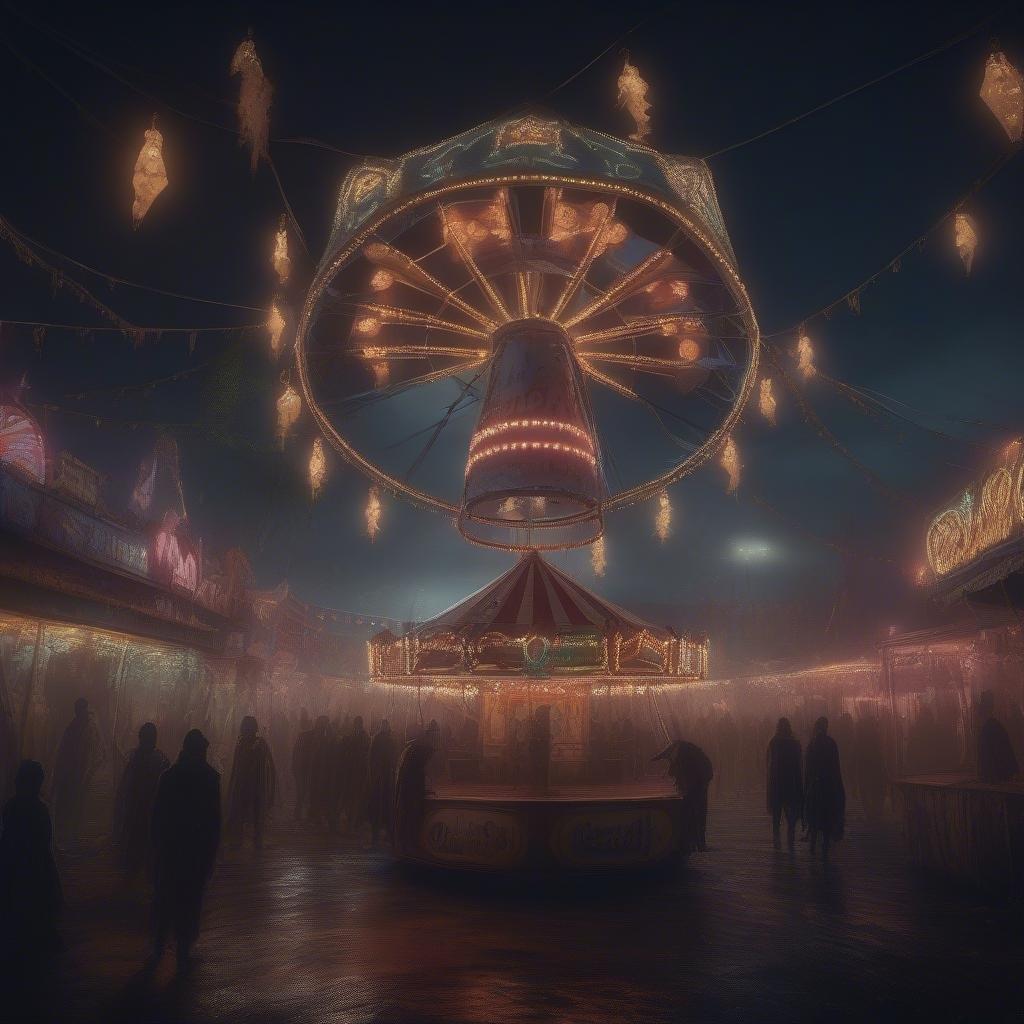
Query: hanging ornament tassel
[805,355]
[598,562]
[1003,94]
[730,462]
[663,520]
[373,512]
[253,103]
[965,234]
[767,400]
[633,97]
[282,261]
[150,177]
[275,325]
[317,468]
[289,406]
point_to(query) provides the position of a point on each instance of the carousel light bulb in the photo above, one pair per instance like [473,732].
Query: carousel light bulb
[372,513]
[275,325]
[317,467]
[689,350]
[633,96]
[253,103]
[598,562]
[767,400]
[289,406]
[805,356]
[368,325]
[730,462]
[382,280]
[282,261]
[965,235]
[1003,94]
[150,176]
[663,520]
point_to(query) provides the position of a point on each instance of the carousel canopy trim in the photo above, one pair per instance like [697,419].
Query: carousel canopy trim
[535,621]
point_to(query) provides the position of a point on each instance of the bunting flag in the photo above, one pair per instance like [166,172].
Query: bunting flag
[150,177]
[965,236]
[254,99]
[1003,93]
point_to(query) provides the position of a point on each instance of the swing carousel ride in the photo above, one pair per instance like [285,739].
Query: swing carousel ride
[577,291]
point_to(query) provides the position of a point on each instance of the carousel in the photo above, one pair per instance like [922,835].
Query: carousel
[578,295]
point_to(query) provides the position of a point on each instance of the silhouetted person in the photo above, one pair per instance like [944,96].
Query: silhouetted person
[691,771]
[186,833]
[870,767]
[133,807]
[302,754]
[30,894]
[996,759]
[411,793]
[381,780]
[785,786]
[539,748]
[355,783]
[322,771]
[253,784]
[824,795]
[79,755]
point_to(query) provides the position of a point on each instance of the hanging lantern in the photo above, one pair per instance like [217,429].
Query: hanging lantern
[276,326]
[663,521]
[253,103]
[633,96]
[598,562]
[767,400]
[1003,93]
[282,262]
[150,177]
[966,236]
[317,467]
[372,512]
[730,462]
[805,356]
[289,406]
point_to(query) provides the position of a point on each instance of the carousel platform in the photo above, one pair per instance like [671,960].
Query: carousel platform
[570,828]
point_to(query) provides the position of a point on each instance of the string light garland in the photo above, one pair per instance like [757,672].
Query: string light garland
[317,467]
[275,327]
[372,512]
[598,560]
[663,519]
[633,97]
[965,236]
[766,400]
[254,99]
[1002,90]
[289,408]
[150,176]
[281,260]
[730,462]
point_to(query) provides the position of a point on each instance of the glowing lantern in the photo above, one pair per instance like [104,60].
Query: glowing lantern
[663,521]
[730,462]
[767,400]
[633,96]
[253,103]
[598,562]
[805,356]
[965,235]
[150,177]
[1003,93]
[368,325]
[289,406]
[382,280]
[317,467]
[372,512]
[282,261]
[276,326]
[689,350]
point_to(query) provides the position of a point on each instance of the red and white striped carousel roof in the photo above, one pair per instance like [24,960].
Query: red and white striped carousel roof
[535,597]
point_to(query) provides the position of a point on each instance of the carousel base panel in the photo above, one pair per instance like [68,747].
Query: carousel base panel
[568,828]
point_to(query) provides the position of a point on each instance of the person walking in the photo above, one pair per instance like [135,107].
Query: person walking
[381,781]
[691,770]
[253,784]
[79,757]
[302,754]
[824,795]
[186,834]
[357,764]
[785,787]
[133,806]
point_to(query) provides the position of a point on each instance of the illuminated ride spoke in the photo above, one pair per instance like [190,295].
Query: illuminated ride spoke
[462,250]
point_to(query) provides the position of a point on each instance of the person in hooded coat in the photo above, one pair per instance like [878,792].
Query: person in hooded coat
[381,780]
[185,834]
[253,784]
[30,891]
[322,771]
[133,807]
[691,770]
[411,793]
[785,787]
[824,794]
[355,784]
[996,760]
[301,763]
[79,756]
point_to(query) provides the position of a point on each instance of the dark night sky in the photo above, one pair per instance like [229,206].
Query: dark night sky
[812,210]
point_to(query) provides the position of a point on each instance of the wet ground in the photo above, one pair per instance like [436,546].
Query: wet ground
[318,928]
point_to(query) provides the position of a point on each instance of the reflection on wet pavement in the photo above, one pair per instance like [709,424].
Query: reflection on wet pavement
[318,929]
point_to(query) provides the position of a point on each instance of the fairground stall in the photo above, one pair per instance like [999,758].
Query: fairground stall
[536,652]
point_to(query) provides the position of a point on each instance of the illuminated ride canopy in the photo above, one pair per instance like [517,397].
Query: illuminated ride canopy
[574,288]
[535,622]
